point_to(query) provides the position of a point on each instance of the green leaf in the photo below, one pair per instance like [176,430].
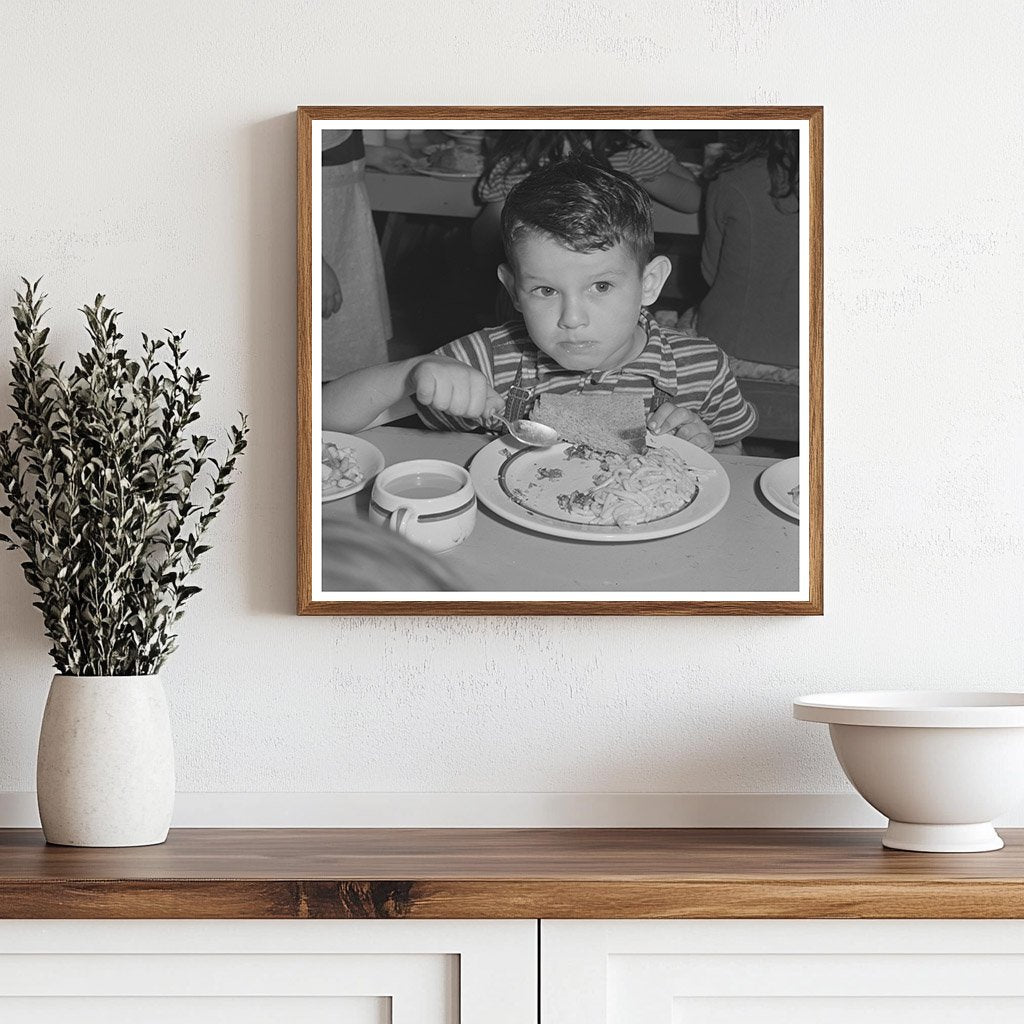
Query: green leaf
[98,470]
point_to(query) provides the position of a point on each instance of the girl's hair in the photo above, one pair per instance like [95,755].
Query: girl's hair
[781,149]
[581,205]
[530,150]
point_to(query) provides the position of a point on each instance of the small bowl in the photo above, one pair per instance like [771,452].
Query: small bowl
[940,766]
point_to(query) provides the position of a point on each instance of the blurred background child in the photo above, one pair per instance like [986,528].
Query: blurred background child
[356,321]
[750,254]
[516,154]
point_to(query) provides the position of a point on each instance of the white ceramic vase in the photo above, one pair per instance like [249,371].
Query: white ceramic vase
[105,771]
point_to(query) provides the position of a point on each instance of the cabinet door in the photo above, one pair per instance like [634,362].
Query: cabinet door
[782,972]
[258,972]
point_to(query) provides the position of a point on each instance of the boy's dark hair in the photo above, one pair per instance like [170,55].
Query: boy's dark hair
[583,206]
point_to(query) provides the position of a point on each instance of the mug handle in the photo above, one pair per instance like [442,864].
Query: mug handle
[400,520]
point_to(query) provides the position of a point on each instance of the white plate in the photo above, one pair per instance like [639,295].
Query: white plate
[776,483]
[492,465]
[370,460]
[465,136]
[421,168]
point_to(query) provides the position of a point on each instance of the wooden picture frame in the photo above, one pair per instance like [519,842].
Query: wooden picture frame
[804,599]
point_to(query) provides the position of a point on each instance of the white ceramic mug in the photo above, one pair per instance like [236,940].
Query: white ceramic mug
[427,501]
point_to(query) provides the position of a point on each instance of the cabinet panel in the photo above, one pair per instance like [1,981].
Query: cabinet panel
[798,972]
[186,1010]
[306,972]
[848,1010]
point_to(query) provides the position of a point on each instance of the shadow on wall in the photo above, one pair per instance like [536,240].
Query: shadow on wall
[269,325]
[661,749]
[22,639]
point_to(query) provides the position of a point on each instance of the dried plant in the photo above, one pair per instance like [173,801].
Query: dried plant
[108,494]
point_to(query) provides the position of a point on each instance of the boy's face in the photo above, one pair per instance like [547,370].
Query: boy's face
[581,308]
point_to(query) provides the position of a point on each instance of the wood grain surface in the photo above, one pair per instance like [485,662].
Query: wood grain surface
[507,873]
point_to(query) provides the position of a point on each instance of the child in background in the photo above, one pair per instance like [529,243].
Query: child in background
[580,271]
[751,255]
[517,153]
[356,321]
[330,290]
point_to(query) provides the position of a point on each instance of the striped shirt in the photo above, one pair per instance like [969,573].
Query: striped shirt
[642,163]
[673,366]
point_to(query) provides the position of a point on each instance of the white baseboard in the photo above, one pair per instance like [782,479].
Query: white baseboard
[504,810]
[495,810]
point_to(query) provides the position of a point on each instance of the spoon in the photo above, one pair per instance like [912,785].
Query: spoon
[529,432]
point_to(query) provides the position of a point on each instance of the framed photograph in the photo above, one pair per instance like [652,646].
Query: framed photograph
[560,360]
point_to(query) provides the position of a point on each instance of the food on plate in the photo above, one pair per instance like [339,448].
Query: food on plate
[338,467]
[633,489]
[454,158]
[604,422]
[470,139]
[795,495]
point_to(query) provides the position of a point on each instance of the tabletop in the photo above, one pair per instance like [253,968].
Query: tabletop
[747,547]
[508,873]
[444,197]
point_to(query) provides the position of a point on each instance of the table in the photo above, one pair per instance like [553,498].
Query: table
[443,197]
[748,546]
[400,194]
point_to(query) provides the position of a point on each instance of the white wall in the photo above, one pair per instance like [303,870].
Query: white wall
[148,153]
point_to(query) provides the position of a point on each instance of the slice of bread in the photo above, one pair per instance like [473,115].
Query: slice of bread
[604,422]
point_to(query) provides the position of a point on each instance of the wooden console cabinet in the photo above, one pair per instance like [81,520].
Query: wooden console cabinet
[510,926]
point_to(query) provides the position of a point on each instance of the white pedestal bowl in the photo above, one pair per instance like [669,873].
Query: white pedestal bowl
[940,766]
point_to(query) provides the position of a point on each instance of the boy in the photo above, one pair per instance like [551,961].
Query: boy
[579,243]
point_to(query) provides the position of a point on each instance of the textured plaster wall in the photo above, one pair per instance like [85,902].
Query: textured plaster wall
[149,154]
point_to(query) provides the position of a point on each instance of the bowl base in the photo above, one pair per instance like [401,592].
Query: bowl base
[978,838]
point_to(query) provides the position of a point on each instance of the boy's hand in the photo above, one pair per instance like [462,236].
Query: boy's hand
[685,423]
[453,387]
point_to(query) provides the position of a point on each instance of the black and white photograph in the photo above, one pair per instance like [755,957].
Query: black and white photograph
[559,361]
